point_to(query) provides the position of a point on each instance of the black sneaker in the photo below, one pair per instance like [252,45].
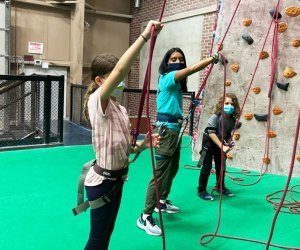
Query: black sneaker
[226,192]
[148,225]
[167,207]
[205,196]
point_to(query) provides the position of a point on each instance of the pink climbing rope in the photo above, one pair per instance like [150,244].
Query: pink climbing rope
[273,67]
[145,95]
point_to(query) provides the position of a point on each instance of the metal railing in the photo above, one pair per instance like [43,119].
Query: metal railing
[130,99]
[31,111]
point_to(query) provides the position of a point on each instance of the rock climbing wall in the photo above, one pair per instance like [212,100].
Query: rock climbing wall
[243,49]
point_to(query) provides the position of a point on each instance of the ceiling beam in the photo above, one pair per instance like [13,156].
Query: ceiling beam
[40,3]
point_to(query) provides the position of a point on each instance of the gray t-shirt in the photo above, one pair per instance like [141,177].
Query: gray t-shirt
[213,123]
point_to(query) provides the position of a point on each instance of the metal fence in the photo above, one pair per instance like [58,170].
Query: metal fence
[31,111]
[130,99]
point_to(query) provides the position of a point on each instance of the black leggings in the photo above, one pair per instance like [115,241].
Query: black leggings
[103,218]
[212,153]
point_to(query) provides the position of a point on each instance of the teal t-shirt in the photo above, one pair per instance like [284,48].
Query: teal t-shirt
[169,98]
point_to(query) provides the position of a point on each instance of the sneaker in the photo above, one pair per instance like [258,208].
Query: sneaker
[205,196]
[167,207]
[226,192]
[148,225]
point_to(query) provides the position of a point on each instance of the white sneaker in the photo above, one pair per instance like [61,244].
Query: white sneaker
[167,207]
[148,225]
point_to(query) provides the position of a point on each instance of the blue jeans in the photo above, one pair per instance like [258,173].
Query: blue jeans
[103,218]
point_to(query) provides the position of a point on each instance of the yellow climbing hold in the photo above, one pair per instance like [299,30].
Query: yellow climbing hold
[288,72]
[282,27]
[247,22]
[292,11]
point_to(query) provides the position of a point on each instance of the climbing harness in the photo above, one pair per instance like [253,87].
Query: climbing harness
[206,141]
[83,205]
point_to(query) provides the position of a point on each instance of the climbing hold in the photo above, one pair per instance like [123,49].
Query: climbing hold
[219,46]
[271,134]
[235,67]
[256,89]
[213,35]
[292,11]
[296,43]
[248,38]
[248,116]
[222,60]
[236,136]
[247,22]
[288,72]
[263,55]
[229,156]
[277,110]
[266,160]
[273,13]
[227,83]
[282,27]
[261,117]
[298,157]
[283,86]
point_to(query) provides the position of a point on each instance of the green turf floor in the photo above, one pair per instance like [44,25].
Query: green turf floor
[38,191]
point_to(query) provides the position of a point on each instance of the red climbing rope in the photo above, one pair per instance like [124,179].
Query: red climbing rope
[147,79]
[272,76]
[266,151]
[287,182]
[224,90]
[145,95]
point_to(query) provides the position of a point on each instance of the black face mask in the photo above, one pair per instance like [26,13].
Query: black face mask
[175,66]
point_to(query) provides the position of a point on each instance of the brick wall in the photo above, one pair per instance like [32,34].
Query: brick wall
[150,9]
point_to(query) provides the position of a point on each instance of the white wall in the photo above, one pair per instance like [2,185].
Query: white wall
[185,33]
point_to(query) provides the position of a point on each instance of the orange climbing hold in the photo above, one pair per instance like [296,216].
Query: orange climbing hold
[292,11]
[227,82]
[266,160]
[248,116]
[247,22]
[236,136]
[282,27]
[256,89]
[288,72]
[296,43]
[263,55]
[277,110]
[235,67]
[298,157]
[229,156]
[271,134]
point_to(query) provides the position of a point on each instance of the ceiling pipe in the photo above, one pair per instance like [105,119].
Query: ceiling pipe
[137,4]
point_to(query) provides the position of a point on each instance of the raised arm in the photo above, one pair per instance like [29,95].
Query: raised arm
[124,64]
[183,73]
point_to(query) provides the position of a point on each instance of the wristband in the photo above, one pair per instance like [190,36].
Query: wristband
[145,39]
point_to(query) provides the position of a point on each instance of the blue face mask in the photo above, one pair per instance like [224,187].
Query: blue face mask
[228,109]
[175,66]
[119,89]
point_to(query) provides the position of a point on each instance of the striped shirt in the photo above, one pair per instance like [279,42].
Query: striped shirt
[110,136]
